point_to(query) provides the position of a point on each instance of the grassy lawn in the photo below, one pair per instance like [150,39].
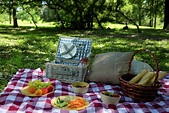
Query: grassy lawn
[26,47]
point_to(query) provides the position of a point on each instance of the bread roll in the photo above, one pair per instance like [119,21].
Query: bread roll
[151,81]
[138,76]
[161,75]
[146,78]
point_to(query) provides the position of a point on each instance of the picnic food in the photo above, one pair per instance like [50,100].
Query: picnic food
[161,75]
[147,78]
[69,102]
[76,103]
[45,90]
[38,92]
[110,97]
[38,84]
[138,76]
[37,88]
[41,87]
[32,89]
[50,88]
[80,87]
[110,94]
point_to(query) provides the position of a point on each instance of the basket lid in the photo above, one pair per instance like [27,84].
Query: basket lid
[73,49]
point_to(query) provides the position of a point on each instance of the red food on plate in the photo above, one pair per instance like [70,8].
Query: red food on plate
[44,90]
[50,88]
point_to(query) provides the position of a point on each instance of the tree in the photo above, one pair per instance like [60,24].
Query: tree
[15,23]
[86,14]
[32,13]
[48,14]
[166,15]
[12,5]
[80,14]
[118,10]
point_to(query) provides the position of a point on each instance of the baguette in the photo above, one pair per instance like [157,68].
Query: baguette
[161,75]
[146,78]
[151,81]
[138,76]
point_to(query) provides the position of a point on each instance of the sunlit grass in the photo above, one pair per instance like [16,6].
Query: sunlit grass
[119,26]
[27,47]
[31,24]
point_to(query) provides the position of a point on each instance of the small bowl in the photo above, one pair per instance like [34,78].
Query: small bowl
[110,97]
[80,87]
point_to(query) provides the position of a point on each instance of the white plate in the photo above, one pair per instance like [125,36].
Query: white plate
[68,50]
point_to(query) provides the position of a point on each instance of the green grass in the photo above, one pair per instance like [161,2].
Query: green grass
[26,47]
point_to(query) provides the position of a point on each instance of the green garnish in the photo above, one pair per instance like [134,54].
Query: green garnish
[61,103]
[110,94]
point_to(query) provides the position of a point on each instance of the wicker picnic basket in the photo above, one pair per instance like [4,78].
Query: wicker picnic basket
[70,67]
[140,92]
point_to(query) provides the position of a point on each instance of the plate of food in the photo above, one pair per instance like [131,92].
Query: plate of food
[110,97]
[68,102]
[37,88]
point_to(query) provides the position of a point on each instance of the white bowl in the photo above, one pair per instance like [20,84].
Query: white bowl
[110,99]
[80,87]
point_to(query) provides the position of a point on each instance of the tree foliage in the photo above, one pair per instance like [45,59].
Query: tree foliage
[86,14]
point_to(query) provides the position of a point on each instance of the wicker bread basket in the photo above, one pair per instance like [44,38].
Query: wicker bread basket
[140,92]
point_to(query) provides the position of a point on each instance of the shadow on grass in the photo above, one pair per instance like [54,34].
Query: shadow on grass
[154,34]
[40,44]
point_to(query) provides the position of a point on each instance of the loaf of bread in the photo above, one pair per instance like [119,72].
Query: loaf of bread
[138,76]
[151,81]
[161,75]
[146,78]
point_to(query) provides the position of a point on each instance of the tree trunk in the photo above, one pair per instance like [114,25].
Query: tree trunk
[166,14]
[10,19]
[155,13]
[15,23]
[155,21]
[31,16]
[151,22]
[89,18]
[151,13]
[33,19]
[59,18]
[98,21]
[139,13]
[79,11]
[139,21]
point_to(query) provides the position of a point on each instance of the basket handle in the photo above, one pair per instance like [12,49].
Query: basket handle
[154,57]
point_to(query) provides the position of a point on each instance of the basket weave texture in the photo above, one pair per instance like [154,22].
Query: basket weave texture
[69,70]
[140,92]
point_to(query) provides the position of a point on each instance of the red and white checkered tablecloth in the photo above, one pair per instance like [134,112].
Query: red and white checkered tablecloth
[12,101]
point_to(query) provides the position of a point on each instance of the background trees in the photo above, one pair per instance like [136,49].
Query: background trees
[87,14]
[166,15]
